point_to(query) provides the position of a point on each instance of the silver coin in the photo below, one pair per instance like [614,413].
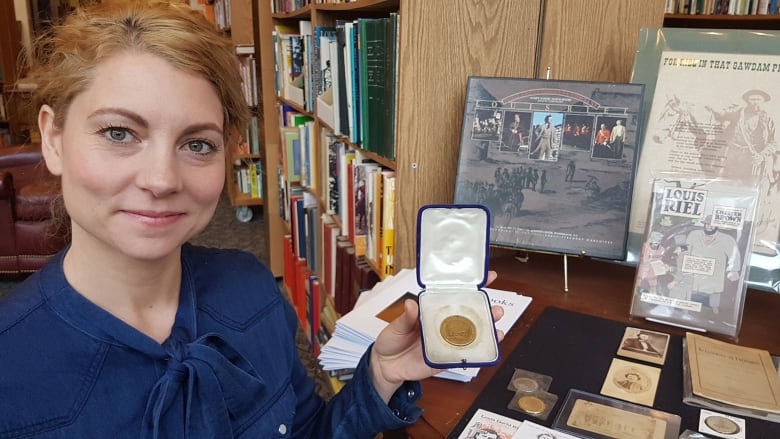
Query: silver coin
[722,425]
[525,384]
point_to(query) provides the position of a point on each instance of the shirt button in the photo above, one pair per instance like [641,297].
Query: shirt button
[410,394]
[397,413]
[282,429]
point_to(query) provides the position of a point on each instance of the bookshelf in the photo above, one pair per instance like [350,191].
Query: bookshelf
[489,38]
[243,164]
[723,21]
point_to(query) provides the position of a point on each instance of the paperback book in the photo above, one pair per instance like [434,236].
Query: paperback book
[553,161]
[729,378]
[694,259]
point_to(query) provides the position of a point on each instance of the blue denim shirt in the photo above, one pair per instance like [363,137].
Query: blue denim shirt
[230,369]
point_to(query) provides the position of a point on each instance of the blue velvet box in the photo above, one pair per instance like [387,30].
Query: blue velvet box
[452,257]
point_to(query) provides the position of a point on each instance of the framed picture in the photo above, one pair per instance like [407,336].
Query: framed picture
[553,161]
[713,100]
[588,415]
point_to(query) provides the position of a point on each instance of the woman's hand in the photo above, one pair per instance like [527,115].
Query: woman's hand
[397,354]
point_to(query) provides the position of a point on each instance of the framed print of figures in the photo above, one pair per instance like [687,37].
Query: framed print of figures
[712,109]
[553,161]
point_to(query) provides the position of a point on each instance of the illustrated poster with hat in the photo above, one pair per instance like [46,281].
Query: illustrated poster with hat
[713,114]
[694,261]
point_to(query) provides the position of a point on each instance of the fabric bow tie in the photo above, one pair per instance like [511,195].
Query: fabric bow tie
[215,384]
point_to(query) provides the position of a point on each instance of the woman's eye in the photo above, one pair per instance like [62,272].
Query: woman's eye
[115,134]
[200,146]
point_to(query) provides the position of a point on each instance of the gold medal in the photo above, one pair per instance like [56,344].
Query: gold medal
[458,330]
[525,384]
[531,404]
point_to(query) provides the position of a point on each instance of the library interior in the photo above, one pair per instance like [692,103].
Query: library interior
[623,153]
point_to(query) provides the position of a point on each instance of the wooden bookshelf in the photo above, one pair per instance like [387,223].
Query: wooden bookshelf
[240,27]
[723,21]
[441,44]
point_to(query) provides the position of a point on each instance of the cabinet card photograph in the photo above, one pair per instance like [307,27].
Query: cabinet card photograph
[553,161]
[645,345]
[631,382]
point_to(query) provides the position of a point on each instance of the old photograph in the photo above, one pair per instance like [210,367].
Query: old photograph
[645,345]
[631,382]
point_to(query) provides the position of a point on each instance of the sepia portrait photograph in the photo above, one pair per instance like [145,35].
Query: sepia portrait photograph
[631,382]
[645,345]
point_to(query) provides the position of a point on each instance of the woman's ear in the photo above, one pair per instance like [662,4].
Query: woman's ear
[51,140]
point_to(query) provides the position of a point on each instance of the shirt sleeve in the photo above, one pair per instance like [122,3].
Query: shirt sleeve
[358,411]
[369,407]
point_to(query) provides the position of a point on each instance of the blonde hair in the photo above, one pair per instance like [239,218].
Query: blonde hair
[67,54]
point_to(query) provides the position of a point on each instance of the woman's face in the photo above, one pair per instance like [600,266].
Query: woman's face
[141,155]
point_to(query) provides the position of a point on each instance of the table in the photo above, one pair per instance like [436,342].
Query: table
[597,288]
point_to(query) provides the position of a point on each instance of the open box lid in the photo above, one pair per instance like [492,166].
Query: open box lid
[452,245]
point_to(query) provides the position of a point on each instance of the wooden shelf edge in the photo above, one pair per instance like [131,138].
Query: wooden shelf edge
[242,199]
[358,6]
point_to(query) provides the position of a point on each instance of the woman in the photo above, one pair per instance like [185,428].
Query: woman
[131,332]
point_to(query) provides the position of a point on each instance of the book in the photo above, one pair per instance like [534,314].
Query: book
[730,378]
[488,424]
[387,250]
[327,71]
[530,153]
[340,83]
[690,129]
[693,265]
[360,195]
[291,153]
[373,82]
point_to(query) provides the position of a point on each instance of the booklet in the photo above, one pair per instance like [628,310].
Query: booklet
[694,259]
[730,378]
[485,424]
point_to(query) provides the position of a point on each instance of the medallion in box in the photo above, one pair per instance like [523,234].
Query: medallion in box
[455,316]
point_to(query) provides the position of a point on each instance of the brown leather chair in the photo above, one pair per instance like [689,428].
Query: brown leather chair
[27,189]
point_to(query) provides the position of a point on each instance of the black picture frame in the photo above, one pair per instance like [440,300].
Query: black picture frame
[569,194]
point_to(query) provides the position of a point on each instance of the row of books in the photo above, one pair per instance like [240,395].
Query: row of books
[355,189]
[249,177]
[346,75]
[359,198]
[287,6]
[730,7]
[249,142]
[248,70]
[217,12]
[323,277]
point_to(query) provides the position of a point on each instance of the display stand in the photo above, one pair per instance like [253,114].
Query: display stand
[525,258]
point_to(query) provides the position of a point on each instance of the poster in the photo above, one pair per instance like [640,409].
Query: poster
[713,114]
[553,161]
